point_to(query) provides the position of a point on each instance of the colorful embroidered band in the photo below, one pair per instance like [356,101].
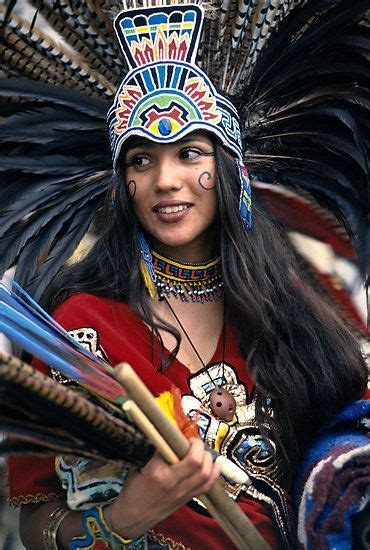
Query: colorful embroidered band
[165,95]
[189,282]
[99,536]
[147,268]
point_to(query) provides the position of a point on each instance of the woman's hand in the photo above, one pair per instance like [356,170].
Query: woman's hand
[152,494]
[148,496]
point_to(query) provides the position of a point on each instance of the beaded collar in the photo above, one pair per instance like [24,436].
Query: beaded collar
[196,282]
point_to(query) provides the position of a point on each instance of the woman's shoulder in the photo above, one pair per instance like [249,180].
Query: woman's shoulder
[84,306]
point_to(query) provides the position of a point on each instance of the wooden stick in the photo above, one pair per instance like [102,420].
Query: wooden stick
[137,390]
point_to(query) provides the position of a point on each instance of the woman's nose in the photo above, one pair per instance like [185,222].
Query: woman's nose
[167,176]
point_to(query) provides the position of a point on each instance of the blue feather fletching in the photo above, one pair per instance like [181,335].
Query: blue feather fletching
[26,324]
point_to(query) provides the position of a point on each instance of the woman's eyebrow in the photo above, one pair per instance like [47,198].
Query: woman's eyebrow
[143,143]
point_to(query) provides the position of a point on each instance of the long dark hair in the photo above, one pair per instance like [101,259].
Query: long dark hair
[306,362]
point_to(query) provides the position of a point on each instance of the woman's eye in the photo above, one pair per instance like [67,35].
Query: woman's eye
[138,161]
[189,154]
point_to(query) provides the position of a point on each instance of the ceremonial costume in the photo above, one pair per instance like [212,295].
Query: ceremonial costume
[271,85]
[110,329]
[278,84]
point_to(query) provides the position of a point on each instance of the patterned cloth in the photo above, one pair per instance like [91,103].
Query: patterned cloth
[334,481]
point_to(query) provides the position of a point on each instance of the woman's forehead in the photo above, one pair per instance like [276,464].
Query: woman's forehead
[139,141]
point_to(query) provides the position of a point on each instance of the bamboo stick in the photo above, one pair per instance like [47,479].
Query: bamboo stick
[137,390]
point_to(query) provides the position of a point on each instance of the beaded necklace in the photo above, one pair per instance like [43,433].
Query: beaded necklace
[196,282]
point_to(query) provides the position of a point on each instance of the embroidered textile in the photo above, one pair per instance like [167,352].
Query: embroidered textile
[334,481]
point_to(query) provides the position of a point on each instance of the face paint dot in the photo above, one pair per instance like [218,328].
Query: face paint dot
[165,126]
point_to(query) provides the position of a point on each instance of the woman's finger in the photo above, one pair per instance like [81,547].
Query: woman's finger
[192,462]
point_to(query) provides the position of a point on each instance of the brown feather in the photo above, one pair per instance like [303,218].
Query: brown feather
[61,408]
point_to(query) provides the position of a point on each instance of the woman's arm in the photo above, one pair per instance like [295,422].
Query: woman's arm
[33,518]
[148,496]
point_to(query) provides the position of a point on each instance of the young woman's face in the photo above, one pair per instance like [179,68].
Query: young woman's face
[172,187]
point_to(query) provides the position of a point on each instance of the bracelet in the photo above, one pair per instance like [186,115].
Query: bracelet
[51,527]
[97,531]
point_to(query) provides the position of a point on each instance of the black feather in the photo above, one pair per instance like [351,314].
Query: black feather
[25,191]
[39,247]
[63,249]
[47,164]
[23,231]
[38,411]
[305,108]
[52,94]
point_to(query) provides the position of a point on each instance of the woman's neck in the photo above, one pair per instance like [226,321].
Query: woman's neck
[195,252]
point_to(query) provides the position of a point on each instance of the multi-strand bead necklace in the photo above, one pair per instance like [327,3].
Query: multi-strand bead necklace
[196,282]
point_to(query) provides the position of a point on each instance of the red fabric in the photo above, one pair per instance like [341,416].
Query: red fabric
[125,338]
[199,532]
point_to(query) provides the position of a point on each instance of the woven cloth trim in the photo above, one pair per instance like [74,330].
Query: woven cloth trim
[32,499]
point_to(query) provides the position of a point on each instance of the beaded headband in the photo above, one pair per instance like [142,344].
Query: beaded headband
[165,96]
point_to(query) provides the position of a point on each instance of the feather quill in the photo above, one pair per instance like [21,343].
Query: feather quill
[41,339]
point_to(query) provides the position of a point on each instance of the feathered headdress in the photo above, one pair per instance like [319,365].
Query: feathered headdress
[165,95]
[296,72]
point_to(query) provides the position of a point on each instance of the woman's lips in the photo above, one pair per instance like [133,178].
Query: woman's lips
[172,213]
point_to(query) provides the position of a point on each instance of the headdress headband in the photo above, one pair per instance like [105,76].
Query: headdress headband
[165,95]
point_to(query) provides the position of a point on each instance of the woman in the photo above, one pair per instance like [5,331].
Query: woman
[191,222]
[252,346]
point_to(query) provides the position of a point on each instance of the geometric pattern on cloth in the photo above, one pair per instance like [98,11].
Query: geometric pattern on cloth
[334,481]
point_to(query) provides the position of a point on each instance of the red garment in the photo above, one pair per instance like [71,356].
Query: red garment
[123,337]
